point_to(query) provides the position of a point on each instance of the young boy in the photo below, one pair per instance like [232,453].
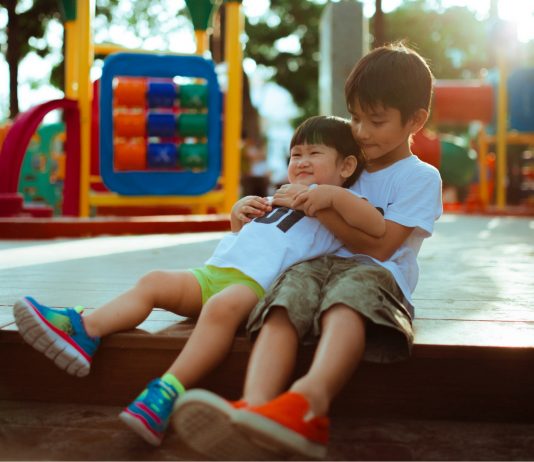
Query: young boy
[355,304]
[224,291]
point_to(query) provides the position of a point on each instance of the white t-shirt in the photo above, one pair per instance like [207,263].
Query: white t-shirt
[267,246]
[409,193]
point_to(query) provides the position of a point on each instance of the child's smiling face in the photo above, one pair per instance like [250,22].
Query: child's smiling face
[319,164]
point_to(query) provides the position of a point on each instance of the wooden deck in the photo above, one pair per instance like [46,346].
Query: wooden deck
[472,358]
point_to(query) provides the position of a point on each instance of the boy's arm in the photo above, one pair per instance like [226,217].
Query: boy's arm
[356,211]
[357,241]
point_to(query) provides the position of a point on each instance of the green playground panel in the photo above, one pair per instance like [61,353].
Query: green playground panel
[38,168]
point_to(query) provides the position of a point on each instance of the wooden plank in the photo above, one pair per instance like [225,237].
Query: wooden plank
[49,228]
[481,310]
[474,333]
[496,388]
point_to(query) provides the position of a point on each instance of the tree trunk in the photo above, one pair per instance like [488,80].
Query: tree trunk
[13,56]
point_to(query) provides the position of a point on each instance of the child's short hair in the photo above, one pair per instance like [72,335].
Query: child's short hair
[334,132]
[393,76]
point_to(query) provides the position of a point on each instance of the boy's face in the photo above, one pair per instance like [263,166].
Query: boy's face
[317,163]
[380,133]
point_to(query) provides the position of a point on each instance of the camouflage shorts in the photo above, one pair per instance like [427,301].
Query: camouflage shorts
[308,289]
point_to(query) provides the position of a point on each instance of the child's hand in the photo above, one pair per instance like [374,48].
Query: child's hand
[285,196]
[250,207]
[311,201]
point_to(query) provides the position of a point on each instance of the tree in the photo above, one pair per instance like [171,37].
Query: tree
[298,71]
[454,40]
[21,28]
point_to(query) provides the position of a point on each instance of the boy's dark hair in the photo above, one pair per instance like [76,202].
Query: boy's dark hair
[334,132]
[393,76]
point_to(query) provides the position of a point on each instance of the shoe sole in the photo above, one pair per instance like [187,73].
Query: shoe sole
[276,435]
[137,424]
[42,336]
[203,422]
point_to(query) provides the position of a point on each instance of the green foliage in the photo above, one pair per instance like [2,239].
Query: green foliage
[297,72]
[31,23]
[456,44]
[25,33]
[144,19]
[453,41]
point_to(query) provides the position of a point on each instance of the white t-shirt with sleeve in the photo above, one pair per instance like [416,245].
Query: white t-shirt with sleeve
[408,192]
[267,246]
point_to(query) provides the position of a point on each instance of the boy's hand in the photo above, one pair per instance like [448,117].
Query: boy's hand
[248,208]
[285,196]
[311,201]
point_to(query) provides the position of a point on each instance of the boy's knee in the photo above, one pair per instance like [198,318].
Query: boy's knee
[341,313]
[277,315]
[278,319]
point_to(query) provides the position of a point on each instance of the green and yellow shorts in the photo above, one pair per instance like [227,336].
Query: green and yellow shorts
[213,279]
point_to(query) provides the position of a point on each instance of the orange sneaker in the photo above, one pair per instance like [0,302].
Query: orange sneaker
[203,421]
[282,424]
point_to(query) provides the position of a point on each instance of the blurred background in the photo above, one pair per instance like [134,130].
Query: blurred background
[281,47]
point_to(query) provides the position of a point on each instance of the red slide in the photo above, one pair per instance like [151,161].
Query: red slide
[16,144]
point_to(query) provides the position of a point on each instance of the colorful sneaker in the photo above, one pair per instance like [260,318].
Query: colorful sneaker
[58,333]
[203,421]
[282,423]
[149,414]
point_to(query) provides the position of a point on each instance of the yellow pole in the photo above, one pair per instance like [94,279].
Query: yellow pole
[502,129]
[85,10]
[233,103]
[483,168]
[201,39]
[71,58]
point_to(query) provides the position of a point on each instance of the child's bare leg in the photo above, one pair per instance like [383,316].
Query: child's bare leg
[174,291]
[338,353]
[272,360]
[213,334]
[212,338]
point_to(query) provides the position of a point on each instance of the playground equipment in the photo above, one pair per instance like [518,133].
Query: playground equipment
[43,168]
[504,122]
[159,119]
[139,148]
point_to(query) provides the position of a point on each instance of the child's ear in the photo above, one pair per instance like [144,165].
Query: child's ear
[349,166]
[418,120]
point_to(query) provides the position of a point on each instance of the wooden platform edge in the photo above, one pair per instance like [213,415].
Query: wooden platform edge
[50,228]
[498,387]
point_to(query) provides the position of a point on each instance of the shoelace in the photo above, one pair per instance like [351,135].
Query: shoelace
[160,396]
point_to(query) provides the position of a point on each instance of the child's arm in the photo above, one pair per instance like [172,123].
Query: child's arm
[357,212]
[246,209]
[354,239]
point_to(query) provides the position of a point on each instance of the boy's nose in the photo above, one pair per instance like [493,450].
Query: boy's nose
[360,132]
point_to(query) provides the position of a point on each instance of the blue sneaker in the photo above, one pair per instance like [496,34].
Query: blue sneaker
[149,414]
[58,333]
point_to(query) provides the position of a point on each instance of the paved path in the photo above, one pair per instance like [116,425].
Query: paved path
[474,270]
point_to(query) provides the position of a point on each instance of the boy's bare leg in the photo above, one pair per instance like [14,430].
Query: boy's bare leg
[178,292]
[338,353]
[214,333]
[272,360]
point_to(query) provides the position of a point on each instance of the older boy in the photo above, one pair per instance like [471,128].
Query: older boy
[356,303]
